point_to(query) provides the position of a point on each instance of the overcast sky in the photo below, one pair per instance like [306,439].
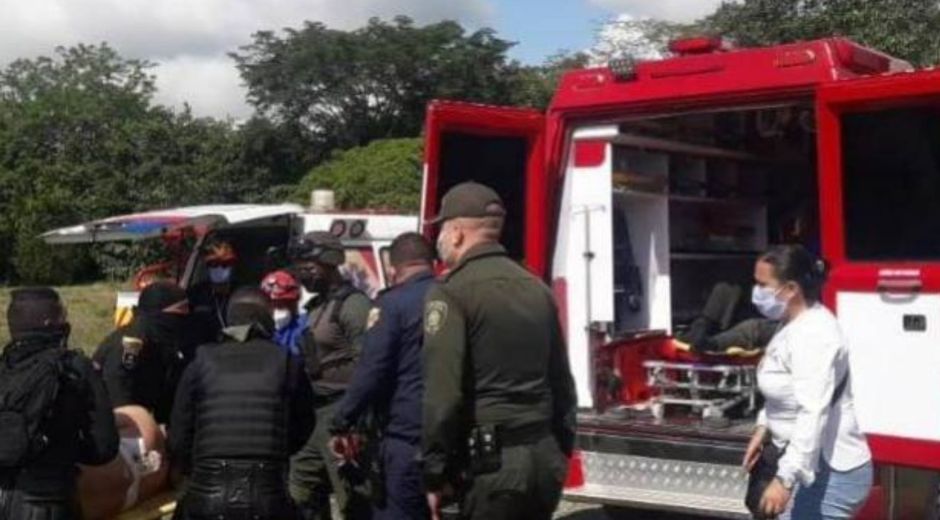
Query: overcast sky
[189,39]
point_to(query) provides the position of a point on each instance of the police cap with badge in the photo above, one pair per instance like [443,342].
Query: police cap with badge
[470,200]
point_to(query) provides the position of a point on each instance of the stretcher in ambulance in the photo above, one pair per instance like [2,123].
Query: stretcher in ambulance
[644,195]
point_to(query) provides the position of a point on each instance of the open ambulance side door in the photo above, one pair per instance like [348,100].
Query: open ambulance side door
[502,148]
[879,171]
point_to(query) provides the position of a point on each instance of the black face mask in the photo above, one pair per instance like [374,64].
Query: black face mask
[64,332]
[313,283]
[164,329]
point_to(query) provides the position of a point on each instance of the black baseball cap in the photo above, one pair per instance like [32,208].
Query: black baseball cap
[470,200]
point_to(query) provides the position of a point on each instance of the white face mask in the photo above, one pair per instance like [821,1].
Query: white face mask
[282,318]
[767,303]
[220,275]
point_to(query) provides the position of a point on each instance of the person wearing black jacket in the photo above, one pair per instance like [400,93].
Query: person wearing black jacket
[242,408]
[80,428]
[141,362]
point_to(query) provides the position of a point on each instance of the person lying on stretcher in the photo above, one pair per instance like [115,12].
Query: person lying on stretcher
[711,332]
[748,338]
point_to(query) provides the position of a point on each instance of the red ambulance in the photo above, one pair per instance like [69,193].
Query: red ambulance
[646,184]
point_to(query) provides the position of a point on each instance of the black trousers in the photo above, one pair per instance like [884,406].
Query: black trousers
[235,490]
[22,505]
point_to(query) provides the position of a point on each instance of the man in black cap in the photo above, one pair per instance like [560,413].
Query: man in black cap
[243,407]
[499,401]
[337,315]
[141,362]
[54,412]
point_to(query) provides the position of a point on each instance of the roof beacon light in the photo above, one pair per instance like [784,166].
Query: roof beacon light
[699,45]
[623,69]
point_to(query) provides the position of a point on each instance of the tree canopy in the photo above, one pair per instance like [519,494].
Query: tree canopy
[343,89]
[80,138]
[902,28]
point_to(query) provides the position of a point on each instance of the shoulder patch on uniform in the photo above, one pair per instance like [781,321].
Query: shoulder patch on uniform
[373,318]
[130,351]
[435,314]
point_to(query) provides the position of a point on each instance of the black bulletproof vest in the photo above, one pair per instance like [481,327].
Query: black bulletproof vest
[242,408]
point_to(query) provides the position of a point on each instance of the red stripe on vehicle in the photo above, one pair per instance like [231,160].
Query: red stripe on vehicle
[589,154]
[916,453]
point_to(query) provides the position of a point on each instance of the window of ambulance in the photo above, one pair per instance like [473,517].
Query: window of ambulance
[385,256]
[362,270]
[891,184]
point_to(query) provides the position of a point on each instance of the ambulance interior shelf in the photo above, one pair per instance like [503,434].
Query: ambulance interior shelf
[696,198]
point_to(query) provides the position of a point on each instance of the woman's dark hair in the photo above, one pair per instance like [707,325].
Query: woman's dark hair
[793,263]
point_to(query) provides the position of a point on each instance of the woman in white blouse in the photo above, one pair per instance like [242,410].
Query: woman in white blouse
[825,471]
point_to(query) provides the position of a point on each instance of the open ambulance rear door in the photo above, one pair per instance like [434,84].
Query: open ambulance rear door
[252,228]
[565,213]
[502,148]
[879,159]
[154,224]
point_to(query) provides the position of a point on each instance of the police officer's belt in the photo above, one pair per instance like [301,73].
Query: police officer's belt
[519,436]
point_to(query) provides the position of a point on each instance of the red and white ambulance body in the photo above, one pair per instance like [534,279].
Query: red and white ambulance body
[645,184]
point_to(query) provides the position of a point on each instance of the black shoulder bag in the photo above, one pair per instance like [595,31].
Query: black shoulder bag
[765,469]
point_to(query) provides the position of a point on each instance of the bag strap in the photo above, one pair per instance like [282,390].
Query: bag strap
[837,393]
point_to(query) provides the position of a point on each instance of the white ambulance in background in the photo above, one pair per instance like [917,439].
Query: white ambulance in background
[260,234]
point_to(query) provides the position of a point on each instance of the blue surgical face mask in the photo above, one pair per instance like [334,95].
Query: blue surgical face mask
[220,275]
[767,303]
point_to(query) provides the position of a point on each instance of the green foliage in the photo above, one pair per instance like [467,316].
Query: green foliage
[340,89]
[636,38]
[534,86]
[81,139]
[903,28]
[386,174]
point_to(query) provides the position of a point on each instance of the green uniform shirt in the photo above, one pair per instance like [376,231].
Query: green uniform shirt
[333,341]
[494,354]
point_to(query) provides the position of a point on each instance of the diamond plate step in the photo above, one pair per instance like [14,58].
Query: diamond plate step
[689,487]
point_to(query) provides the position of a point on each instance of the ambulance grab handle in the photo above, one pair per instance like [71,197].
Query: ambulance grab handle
[900,286]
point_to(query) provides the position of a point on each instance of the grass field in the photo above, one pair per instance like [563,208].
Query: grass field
[91,313]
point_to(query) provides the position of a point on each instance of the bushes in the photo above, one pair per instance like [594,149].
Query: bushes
[386,174]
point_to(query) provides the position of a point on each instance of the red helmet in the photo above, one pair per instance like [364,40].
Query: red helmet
[281,286]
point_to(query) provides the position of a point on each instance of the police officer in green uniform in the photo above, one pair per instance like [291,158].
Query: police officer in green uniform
[499,404]
[337,316]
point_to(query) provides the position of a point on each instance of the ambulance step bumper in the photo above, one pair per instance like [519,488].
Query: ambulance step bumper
[715,490]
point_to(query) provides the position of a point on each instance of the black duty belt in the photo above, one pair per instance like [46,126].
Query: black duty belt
[522,435]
